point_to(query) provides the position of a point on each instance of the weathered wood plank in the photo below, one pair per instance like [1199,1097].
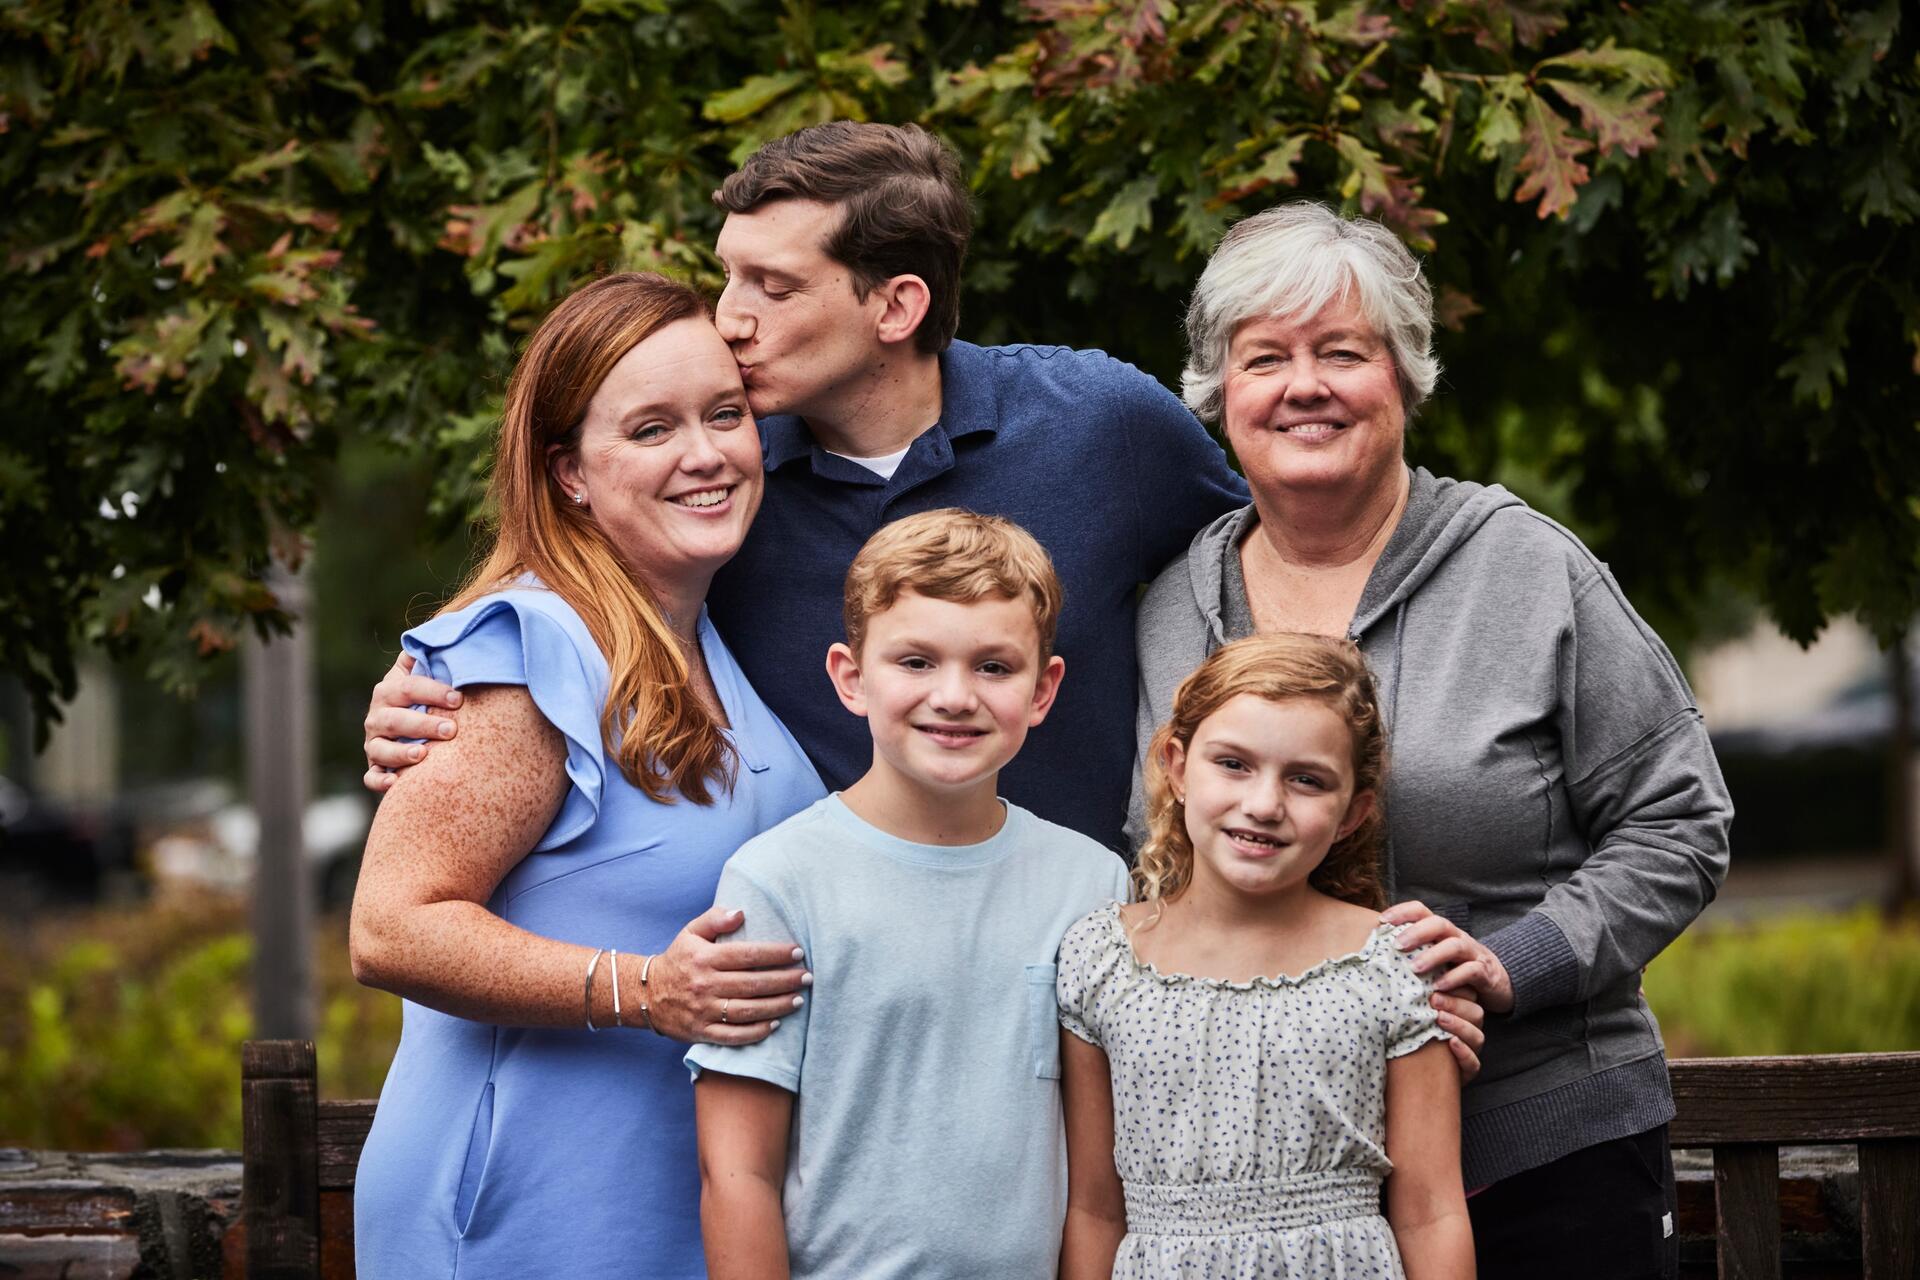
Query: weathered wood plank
[343,1131]
[69,1257]
[1810,1202]
[1890,1209]
[1819,1098]
[66,1207]
[1746,1182]
[336,1235]
[1744,1106]
[280,1188]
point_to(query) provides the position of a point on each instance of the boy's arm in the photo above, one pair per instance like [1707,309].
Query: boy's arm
[1426,1205]
[742,1126]
[1096,1206]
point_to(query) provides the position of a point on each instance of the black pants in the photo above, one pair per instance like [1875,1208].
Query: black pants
[1604,1212]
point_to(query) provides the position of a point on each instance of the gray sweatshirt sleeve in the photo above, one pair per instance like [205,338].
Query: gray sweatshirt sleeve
[1143,731]
[1645,788]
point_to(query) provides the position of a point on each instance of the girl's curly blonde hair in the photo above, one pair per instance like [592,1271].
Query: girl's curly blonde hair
[1276,668]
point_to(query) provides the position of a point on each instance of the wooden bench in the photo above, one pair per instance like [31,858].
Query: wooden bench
[300,1155]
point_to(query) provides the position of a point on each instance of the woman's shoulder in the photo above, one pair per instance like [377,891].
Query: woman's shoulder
[1207,550]
[1524,538]
[524,628]
[525,597]
[1180,609]
[527,636]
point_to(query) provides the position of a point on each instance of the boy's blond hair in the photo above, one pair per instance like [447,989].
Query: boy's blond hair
[952,554]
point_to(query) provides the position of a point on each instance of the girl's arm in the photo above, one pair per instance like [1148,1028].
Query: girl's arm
[1096,1206]
[743,1170]
[443,839]
[1426,1205]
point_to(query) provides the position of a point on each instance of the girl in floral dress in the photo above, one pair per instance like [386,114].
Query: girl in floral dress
[1247,1055]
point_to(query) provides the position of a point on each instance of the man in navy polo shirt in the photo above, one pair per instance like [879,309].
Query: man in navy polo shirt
[843,247]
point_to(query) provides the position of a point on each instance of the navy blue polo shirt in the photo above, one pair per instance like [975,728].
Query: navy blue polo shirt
[1093,457]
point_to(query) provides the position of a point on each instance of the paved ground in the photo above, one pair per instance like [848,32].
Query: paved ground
[1771,887]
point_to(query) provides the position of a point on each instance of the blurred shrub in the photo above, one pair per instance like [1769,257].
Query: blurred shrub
[1801,984]
[121,1029]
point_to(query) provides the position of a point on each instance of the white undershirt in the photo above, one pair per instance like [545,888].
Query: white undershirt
[883,466]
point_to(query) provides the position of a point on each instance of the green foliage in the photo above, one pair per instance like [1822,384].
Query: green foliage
[122,1030]
[1808,984]
[1674,241]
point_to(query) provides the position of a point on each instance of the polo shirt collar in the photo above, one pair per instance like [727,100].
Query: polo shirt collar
[783,438]
[969,403]
[969,398]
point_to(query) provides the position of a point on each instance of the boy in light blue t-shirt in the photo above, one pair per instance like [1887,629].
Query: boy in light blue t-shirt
[906,1122]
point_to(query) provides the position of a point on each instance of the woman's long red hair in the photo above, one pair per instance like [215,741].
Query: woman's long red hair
[662,737]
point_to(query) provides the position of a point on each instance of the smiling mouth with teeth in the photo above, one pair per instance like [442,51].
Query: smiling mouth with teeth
[959,732]
[1254,837]
[705,498]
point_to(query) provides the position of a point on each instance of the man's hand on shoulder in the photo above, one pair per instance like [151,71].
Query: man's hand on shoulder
[392,718]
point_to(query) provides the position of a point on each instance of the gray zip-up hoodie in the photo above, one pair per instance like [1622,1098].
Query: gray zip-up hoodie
[1551,790]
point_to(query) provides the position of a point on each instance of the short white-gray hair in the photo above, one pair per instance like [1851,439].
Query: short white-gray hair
[1291,261]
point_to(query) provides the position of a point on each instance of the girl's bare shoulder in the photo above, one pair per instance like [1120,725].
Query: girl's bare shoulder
[1348,926]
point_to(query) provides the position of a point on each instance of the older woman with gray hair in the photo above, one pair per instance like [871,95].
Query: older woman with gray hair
[1555,814]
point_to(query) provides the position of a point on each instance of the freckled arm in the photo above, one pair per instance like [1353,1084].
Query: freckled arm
[451,827]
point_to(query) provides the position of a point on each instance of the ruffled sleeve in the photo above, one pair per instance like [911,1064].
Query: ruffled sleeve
[533,638]
[1410,1016]
[1087,956]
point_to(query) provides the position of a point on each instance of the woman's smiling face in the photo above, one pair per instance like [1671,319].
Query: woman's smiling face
[668,460]
[1314,403]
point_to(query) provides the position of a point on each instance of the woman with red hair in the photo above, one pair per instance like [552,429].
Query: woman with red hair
[528,886]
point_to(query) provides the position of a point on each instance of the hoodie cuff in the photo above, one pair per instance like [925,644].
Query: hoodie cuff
[1540,963]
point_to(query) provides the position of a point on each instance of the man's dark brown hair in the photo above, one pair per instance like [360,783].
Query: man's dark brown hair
[904,206]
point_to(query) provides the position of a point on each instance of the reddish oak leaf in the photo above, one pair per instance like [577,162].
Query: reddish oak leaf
[1618,119]
[1550,158]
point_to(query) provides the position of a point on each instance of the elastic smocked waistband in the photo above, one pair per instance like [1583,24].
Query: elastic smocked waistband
[1267,1204]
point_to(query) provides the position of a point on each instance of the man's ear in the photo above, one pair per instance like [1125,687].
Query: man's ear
[843,668]
[1357,810]
[904,301]
[1046,689]
[564,466]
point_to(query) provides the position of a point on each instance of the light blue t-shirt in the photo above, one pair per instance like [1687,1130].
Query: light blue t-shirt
[927,1139]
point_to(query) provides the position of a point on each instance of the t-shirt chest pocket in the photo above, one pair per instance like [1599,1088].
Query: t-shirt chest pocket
[1043,1021]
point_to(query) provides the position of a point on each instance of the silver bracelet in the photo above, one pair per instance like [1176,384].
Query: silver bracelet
[646,1014]
[587,1002]
[613,958]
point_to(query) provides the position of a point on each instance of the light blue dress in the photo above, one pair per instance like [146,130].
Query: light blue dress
[513,1152]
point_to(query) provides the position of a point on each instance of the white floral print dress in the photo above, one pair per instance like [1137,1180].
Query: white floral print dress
[1249,1117]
